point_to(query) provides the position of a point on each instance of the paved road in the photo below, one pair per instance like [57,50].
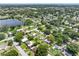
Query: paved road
[21,51]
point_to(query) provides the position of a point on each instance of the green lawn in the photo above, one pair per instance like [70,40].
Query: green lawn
[10,51]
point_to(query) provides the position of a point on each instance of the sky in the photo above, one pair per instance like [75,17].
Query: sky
[39,1]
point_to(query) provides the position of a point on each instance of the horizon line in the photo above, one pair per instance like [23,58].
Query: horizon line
[43,3]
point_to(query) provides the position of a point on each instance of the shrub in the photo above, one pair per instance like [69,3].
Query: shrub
[2,36]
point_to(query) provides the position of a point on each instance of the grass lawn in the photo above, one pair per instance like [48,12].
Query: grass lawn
[10,51]
[3,41]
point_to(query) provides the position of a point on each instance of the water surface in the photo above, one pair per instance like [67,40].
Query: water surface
[10,22]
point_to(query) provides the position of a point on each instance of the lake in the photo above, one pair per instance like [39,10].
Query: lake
[10,22]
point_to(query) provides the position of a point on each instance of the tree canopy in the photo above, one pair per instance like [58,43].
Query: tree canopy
[42,50]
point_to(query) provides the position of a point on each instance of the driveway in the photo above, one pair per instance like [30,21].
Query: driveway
[21,51]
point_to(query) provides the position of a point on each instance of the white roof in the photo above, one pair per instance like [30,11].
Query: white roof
[10,32]
[19,29]
[34,34]
[24,39]
[31,43]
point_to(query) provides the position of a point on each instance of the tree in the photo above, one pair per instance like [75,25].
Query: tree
[47,32]
[65,38]
[4,28]
[59,38]
[30,37]
[28,22]
[73,48]
[2,36]
[51,38]
[12,28]
[69,32]
[18,37]
[55,52]
[37,41]
[48,26]
[42,28]
[10,43]
[59,41]
[42,50]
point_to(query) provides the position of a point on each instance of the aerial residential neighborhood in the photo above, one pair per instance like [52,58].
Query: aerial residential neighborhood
[39,30]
